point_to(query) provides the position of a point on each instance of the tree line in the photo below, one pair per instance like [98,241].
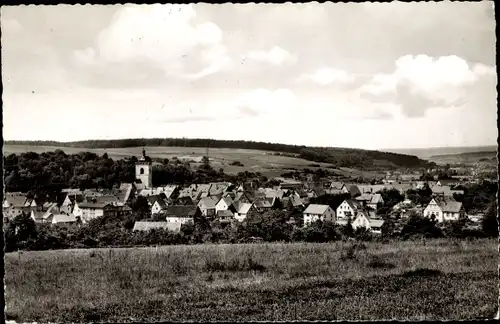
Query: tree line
[22,233]
[341,157]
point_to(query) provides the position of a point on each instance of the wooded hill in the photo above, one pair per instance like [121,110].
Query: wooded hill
[340,157]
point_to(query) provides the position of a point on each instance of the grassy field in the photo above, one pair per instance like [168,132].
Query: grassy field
[252,160]
[433,280]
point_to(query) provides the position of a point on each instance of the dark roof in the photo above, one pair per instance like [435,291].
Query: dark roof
[181,211]
[224,213]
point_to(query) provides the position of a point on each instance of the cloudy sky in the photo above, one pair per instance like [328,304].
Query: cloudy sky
[391,75]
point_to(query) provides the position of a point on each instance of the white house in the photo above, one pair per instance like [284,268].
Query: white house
[444,210]
[223,204]
[315,212]
[243,210]
[158,206]
[373,225]
[348,209]
[207,206]
[182,214]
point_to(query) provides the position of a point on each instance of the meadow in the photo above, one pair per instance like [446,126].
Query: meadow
[407,280]
[253,160]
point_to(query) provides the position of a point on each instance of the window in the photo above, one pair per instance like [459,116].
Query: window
[141,171]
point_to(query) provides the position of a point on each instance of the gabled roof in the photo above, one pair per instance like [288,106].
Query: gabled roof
[316,209]
[63,218]
[228,201]
[376,223]
[146,226]
[376,198]
[449,205]
[181,211]
[207,203]
[38,215]
[243,208]
[336,185]
[224,213]
[296,201]
[354,204]
[100,205]
[161,203]
[16,200]
[364,197]
[264,203]
[353,190]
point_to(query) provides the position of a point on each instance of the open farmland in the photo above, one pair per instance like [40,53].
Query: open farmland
[466,158]
[433,280]
[252,160]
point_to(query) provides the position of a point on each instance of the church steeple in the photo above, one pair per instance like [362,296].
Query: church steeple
[143,170]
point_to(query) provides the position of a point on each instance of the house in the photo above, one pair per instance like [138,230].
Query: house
[91,210]
[348,209]
[159,206]
[244,197]
[376,201]
[146,226]
[182,214]
[290,184]
[69,202]
[223,204]
[61,219]
[292,202]
[367,188]
[339,187]
[315,212]
[125,193]
[353,190]
[265,204]
[448,182]
[207,206]
[373,225]
[225,216]
[184,201]
[444,209]
[445,191]
[15,203]
[243,210]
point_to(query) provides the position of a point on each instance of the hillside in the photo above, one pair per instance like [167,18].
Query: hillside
[339,157]
[268,163]
[466,158]
[427,153]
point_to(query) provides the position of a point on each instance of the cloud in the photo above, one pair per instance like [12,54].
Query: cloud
[267,102]
[326,76]
[275,56]
[420,82]
[163,36]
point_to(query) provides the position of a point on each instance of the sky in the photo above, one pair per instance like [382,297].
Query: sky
[361,75]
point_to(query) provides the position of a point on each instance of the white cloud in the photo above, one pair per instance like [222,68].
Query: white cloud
[161,35]
[422,82]
[326,76]
[275,56]
[267,102]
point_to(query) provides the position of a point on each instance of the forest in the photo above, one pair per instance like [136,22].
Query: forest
[340,157]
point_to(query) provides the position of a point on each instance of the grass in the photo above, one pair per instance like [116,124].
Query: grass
[253,160]
[437,280]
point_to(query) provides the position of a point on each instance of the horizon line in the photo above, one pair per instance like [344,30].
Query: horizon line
[233,140]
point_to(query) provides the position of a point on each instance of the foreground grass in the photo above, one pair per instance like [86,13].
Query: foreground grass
[401,280]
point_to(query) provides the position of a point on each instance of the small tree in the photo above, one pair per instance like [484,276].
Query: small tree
[490,221]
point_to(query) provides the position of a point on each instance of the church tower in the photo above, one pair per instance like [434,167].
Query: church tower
[144,171]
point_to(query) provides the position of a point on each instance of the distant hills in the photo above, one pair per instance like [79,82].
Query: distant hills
[427,153]
[339,157]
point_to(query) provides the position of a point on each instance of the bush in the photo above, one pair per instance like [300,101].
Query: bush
[237,163]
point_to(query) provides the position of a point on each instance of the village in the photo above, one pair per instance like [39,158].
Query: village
[171,206]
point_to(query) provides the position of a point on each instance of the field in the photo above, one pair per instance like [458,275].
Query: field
[467,158]
[252,160]
[433,280]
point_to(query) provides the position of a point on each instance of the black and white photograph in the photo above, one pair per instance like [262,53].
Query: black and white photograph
[250,162]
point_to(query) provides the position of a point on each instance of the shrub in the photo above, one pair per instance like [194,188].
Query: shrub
[237,163]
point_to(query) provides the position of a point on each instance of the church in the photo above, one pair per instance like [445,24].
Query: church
[144,172]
